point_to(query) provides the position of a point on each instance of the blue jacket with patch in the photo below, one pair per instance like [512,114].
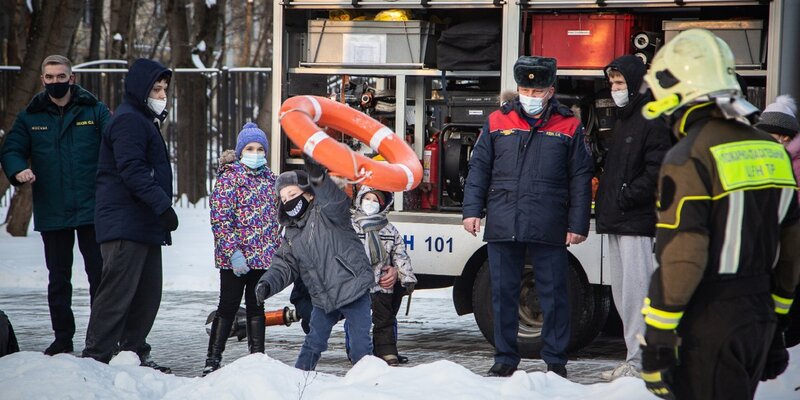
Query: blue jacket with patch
[134,175]
[534,182]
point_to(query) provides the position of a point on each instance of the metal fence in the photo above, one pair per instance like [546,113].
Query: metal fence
[233,95]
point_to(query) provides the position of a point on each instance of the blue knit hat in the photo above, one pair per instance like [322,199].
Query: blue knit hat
[250,133]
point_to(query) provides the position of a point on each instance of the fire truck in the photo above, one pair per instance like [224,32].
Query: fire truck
[395,61]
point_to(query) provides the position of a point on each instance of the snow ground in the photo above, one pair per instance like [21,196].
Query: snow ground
[189,267]
[259,376]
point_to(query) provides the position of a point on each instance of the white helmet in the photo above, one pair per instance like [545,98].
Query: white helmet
[694,66]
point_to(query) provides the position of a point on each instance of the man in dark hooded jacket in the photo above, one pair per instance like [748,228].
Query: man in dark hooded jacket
[134,216]
[626,202]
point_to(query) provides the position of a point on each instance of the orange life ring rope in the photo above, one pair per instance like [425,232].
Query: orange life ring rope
[301,116]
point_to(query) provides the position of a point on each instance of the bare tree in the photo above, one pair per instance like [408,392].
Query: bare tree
[190,94]
[122,29]
[44,38]
[96,14]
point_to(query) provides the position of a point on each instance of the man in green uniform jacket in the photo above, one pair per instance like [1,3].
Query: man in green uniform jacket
[53,145]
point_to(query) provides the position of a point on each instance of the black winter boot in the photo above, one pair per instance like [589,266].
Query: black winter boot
[255,334]
[220,328]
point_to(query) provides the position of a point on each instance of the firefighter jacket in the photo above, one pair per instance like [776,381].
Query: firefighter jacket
[534,182]
[728,217]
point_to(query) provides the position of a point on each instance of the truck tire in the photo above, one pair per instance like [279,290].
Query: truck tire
[584,325]
[602,306]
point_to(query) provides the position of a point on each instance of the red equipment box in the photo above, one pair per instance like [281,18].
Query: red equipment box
[581,40]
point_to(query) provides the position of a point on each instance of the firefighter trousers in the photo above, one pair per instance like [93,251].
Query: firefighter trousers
[725,335]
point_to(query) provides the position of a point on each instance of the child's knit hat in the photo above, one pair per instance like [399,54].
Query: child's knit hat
[250,133]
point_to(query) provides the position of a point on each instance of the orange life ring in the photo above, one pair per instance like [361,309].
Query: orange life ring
[301,116]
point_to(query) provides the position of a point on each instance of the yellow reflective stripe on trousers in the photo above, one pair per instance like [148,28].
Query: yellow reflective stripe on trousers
[752,163]
[782,304]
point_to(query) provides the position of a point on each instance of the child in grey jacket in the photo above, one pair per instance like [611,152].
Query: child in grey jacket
[320,246]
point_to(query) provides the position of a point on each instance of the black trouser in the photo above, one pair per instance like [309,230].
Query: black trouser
[58,247]
[230,293]
[127,300]
[724,346]
[383,323]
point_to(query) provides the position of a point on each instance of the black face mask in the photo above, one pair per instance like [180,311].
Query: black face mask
[57,90]
[296,207]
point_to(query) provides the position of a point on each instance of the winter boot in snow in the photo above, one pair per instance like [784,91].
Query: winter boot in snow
[58,347]
[559,369]
[220,328]
[255,334]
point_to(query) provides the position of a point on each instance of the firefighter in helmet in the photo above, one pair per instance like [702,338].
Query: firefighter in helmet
[727,233]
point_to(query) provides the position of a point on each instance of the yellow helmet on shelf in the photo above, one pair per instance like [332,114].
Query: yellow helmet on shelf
[694,66]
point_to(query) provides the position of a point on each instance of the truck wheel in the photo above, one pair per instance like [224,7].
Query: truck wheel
[602,306]
[582,308]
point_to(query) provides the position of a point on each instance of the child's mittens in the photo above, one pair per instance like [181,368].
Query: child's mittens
[239,263]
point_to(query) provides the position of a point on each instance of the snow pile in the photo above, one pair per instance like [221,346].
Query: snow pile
[258,376]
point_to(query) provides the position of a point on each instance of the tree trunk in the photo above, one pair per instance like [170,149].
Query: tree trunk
[16,24]
[44,38]
[248,34]
[263,57]
[190,95]
[207,22]
[122,12]
[19,211]
[97,29]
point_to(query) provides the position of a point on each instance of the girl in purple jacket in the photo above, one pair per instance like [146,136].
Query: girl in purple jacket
[244,219]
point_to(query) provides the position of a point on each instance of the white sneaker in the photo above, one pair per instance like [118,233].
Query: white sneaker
[624,369]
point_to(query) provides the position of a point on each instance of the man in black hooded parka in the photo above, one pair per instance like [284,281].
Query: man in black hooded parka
[133,217]
[625,205]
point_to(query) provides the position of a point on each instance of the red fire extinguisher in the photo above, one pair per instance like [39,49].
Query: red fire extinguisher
[430,174]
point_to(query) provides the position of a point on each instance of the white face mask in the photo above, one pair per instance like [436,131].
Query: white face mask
[370,207]
[620,97]
[156,105]
[254,160]
[532,105]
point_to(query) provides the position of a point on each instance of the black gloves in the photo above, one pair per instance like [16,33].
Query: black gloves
[777,356]
[169,220]
[262,292]
[659,357]
[315,170]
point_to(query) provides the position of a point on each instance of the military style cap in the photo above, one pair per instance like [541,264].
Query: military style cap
[535,72]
